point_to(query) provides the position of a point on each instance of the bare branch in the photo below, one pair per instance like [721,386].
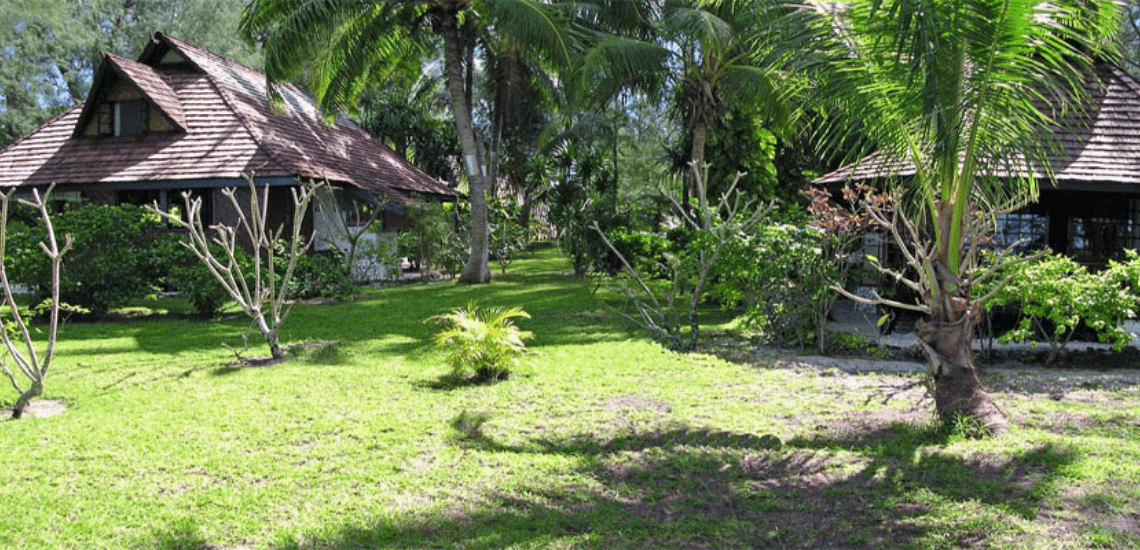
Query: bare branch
[31,365]
[877,300]
[264,292]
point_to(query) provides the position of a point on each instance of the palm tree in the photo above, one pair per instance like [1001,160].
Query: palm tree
[955,91]
[713,56]
[336,46]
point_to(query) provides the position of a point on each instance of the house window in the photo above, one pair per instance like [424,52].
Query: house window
[123,118]
[1022,230]
[1100,229]
[130,118]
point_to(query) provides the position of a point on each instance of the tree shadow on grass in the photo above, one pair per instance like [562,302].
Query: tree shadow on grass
[183,534]
[682,488]
[452,381]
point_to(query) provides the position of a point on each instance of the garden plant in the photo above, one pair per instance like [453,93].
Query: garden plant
[31,366]
[260,287]
[483,344]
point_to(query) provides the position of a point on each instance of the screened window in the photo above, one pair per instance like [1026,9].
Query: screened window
[1102,228]
[130,118]
[1022,230]
[123,118]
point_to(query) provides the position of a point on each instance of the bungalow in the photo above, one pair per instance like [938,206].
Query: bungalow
[1092,212]
[182,119]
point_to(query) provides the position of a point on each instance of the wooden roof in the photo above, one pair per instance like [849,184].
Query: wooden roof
[225,128]
[1100,147]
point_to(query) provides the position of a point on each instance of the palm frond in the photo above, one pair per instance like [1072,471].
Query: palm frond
[619,63]
[699,24]
[534,25]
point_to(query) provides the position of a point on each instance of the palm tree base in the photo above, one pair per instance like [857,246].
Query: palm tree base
[958,393]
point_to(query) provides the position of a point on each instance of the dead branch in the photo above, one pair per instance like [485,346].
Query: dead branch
[262,294]
[33,366]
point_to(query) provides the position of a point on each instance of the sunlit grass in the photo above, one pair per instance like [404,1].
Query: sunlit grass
[602,439]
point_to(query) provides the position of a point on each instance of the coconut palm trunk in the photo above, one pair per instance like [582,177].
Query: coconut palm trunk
[477,270]
[947,337]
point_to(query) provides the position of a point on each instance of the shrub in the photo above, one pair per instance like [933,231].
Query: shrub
[645,250]
[182,271]
[481,344]
[432,243]
[1054,296]
[112,261]
[508,238]
[1126,274]
[662,309]
[781,274]
[318,275]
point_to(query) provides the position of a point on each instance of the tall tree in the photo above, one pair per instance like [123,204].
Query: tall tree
[714,59]
[1130,37]
[339,45]
[956,90]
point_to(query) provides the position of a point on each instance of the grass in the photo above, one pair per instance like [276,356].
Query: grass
[603,440]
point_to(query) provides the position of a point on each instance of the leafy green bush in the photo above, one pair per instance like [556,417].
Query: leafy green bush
[481,344]
[319,275]
[1126,274]
[782,276]
[183,272]
[432,243]
[112,260]
[1055,295]
[508,238]
[645,250]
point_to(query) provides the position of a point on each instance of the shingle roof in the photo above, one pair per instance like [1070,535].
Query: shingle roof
[230,130]
[1102,144]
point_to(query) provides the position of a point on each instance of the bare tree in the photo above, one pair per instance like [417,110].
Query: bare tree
[716,224]
[17,337]
[259,288]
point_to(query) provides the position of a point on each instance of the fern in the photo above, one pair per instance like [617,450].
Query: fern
[481,344]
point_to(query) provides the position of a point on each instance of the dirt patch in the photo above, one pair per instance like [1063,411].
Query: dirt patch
[637,402]
[39,408]
[1082,376]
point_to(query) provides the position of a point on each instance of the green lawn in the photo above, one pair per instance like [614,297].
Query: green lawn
[604,440]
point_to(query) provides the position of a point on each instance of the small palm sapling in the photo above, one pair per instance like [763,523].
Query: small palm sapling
[483,344]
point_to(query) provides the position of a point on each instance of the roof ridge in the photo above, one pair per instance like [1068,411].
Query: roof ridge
[229,100]
[182,44]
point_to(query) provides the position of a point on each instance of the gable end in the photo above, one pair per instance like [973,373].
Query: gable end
[128,98]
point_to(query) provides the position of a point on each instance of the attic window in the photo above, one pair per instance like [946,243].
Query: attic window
[123,118]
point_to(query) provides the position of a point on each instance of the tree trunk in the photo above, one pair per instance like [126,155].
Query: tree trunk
[270,336]
[947,337]
[697,158]
[477,270]
[26,399]
[525,211]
